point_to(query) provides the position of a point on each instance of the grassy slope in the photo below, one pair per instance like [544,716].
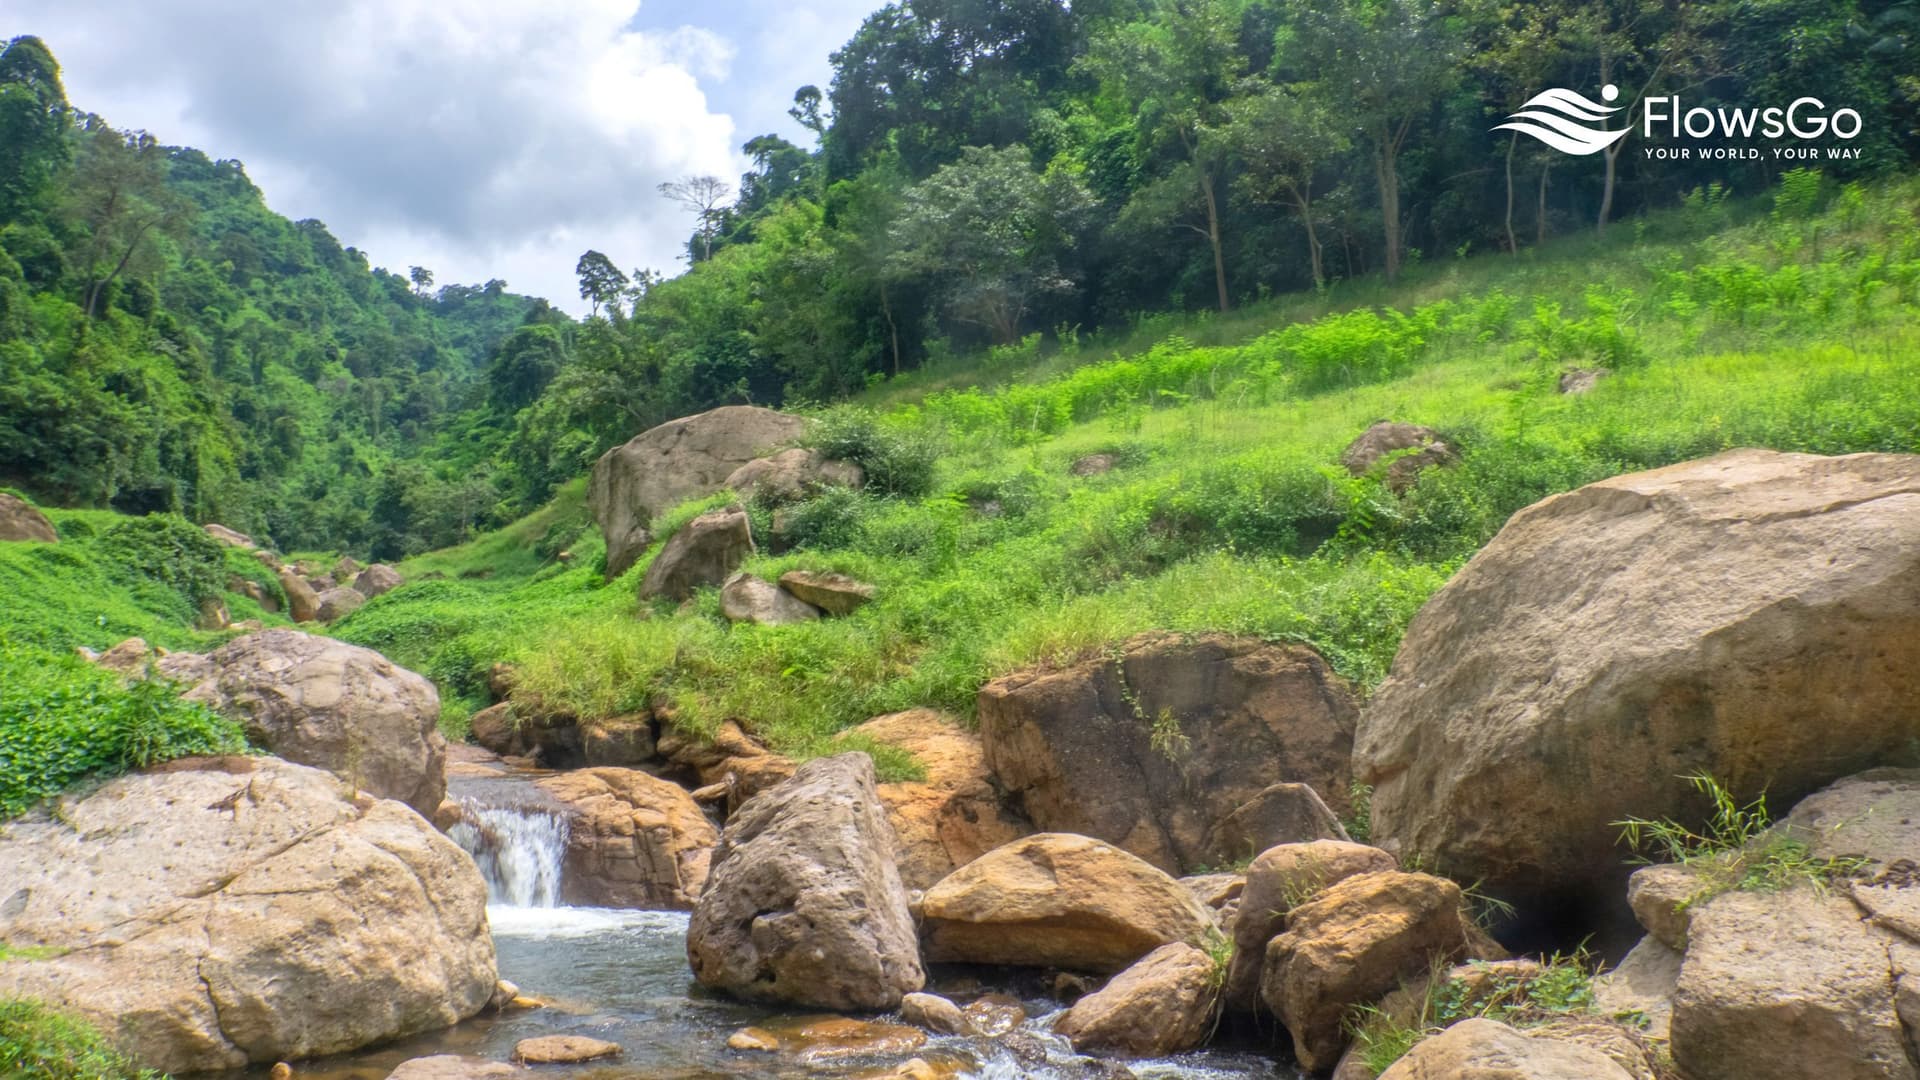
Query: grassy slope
[1771,330]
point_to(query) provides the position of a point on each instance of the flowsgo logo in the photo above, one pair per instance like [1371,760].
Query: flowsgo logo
[1560,118]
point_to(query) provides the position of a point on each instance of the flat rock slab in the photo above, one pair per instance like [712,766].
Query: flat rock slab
[563,1050]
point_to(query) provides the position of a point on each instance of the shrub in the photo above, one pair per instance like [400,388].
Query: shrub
[169,550]
[41,1043]
[62,720]
[833,518]
[899,460]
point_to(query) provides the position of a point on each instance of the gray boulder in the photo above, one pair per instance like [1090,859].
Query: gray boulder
[705,551]
[746,598]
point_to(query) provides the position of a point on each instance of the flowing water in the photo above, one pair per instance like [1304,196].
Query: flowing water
[622,975]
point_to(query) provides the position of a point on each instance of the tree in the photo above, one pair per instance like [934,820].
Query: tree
[120,200]
[990,232]
[422,279]
[1177,68]
[33,124]
[706,197]
[1384,62]
[601,282]
[1285,136]
[807,103]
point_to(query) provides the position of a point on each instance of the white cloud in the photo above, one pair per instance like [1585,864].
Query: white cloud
[490,138]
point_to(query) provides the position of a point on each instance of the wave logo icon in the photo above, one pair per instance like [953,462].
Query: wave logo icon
[1556,116]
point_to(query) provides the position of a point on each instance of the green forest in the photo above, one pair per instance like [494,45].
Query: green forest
[1023,178]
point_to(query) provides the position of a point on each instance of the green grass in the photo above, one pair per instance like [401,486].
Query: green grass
[41,1043]
[1562,987]
[1228,511]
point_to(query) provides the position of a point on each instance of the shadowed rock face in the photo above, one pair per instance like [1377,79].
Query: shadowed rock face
[20,521]
[216,912]
[1156,749]
[1753,616]
[705,551]
[803,905]
[634,840]
[679,460]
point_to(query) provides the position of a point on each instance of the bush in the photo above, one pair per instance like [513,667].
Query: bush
[897,460]
[40,1043]
[62,721]
[171,551]
[834,518]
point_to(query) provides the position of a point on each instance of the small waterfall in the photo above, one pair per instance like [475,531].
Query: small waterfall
[519,850]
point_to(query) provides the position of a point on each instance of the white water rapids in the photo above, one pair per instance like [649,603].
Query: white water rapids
[520,851]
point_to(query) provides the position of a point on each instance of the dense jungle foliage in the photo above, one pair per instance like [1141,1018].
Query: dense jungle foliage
[1034,176]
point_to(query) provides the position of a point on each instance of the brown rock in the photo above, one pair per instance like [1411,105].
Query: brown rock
[1093,465]
[935,1013]
[219,911]
[1352,945]
[746,598]
[344,570]
[633,840]
[1482,1049]
[1662,900]
[705,551]
[679,460]
[451,1067]
[19,520]
[1278,881]
[213,615]
[753,1038]
[496,728]
[792,475]
[1750,660]
[1153,750]
[1581,380]
[230,537]
[377,579]
[803,905]
[1058,900]
[563,1050]
[303,603]
[822,1039]
[956,814]
[835,594]
[339,707]
[1163,1004]
[130,657]
[1279,814]
[1221,892]
[338,603]
[994,1015]
[1643,984]
[730,757]
[1386,438]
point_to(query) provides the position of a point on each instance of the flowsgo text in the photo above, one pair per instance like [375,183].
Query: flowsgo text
[1806,118]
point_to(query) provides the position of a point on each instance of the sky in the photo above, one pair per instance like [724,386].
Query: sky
[480,139]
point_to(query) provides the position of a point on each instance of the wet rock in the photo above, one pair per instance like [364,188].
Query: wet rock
[753,1038]
[803,905]
[674,462]
[1481,1049]
[820,1039]
[1154,749]
[793,474]
[994,1015]
[705,551]
[1058,900]
[935,1013]
[956,814]
[563,1050]
[1278,881]
[746,598]
[1385,439]
[835,594]
[1751,661]
[21,521]
[451,1067]
[197,912]
[1352,945]
[633,840]
[1163,1004]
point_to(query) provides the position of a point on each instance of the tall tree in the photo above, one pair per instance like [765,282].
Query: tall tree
[601,283]
[120,199]
[1286,136]
[1384,63]
[1177,67]
[33,124]
[706,197]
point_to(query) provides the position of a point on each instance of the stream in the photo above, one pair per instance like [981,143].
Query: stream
[622,975]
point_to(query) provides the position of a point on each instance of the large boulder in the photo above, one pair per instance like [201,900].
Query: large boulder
[230,537]
[953,816]
[1482,1049]
[377,579]
[1280,879]
[20,520]
[1154,748]
[803,905]
[338,707]
[752,599]
[704,551]
[216,912]
[633,840]
[793,474]
[1386,438]
[1162,1005]
[338,603]
[303,600]
[835,594]
[1350,946]
[679,460]
[1059,900]
[1753,616]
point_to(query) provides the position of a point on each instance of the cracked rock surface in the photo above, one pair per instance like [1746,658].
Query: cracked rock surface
[219,911]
